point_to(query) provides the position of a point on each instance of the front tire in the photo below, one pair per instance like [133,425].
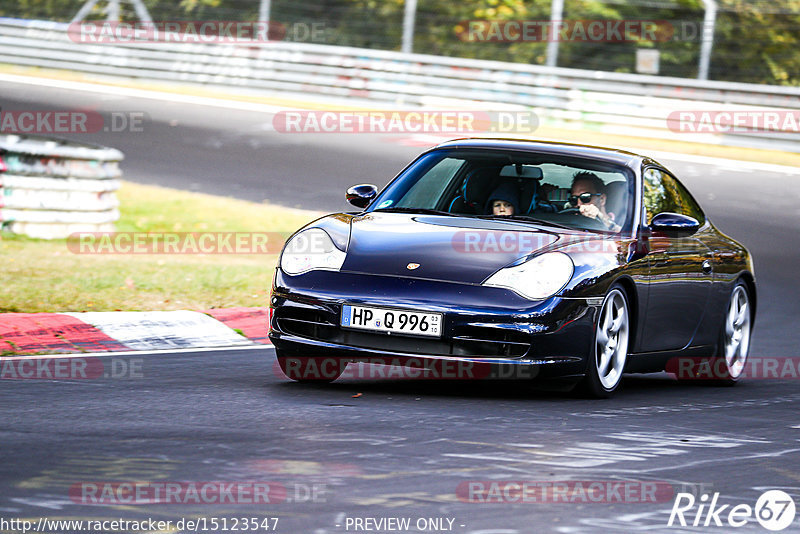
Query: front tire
[609,351]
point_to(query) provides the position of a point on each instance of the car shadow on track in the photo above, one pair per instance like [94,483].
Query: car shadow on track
[639,388]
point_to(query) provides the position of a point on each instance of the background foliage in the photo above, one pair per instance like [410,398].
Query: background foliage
[755,40]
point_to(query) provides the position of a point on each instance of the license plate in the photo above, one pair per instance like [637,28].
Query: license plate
[392,320]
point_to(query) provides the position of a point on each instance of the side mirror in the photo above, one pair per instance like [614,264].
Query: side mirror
[674,224]
[361,195]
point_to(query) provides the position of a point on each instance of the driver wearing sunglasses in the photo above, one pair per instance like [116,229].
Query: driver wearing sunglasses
[589,196]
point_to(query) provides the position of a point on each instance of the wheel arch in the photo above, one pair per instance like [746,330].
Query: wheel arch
[750,282]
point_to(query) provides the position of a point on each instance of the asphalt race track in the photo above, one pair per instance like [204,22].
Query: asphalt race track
[403,448]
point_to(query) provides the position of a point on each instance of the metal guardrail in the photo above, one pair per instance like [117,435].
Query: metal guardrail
[629,104]
[50,188]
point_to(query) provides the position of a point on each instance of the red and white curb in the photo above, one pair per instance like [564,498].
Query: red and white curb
[26,333]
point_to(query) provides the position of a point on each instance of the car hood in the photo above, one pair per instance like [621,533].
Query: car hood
[457,249]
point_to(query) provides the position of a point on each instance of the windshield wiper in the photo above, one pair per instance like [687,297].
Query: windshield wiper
[422,211]
[526,218]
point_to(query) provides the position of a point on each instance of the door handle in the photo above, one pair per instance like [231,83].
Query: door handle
[707,266]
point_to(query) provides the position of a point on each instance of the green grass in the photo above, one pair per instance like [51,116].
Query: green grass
[46,276]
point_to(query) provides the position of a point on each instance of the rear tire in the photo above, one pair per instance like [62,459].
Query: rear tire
[734,337]
[726,366]
[609,351]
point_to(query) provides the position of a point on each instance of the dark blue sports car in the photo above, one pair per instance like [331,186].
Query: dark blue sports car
[563,261]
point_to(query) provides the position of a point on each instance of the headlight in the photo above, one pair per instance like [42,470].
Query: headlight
[536,279]
[309,250]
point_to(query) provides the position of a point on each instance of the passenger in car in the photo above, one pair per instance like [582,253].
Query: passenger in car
[504,200]
[588,194]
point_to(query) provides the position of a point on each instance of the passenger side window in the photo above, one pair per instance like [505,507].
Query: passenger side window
[662,192]
[428,190]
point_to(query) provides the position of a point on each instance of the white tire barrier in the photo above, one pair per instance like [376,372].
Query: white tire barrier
[52,188]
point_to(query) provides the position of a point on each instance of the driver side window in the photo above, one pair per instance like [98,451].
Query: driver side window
[662,192]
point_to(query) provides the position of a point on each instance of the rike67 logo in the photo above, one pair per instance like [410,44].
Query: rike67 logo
[774,510]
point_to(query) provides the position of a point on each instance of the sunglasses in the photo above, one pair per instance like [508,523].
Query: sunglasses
[583,197]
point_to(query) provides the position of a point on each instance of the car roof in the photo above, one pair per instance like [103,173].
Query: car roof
[610,155]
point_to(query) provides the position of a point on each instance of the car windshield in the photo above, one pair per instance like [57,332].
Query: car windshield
[516,185]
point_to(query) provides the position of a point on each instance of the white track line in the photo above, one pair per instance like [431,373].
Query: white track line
[730,164]
[142,93]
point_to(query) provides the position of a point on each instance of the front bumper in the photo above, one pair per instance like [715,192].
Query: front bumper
[481,324]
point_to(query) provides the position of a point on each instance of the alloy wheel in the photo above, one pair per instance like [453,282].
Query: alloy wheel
[736,337]
[611,345]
